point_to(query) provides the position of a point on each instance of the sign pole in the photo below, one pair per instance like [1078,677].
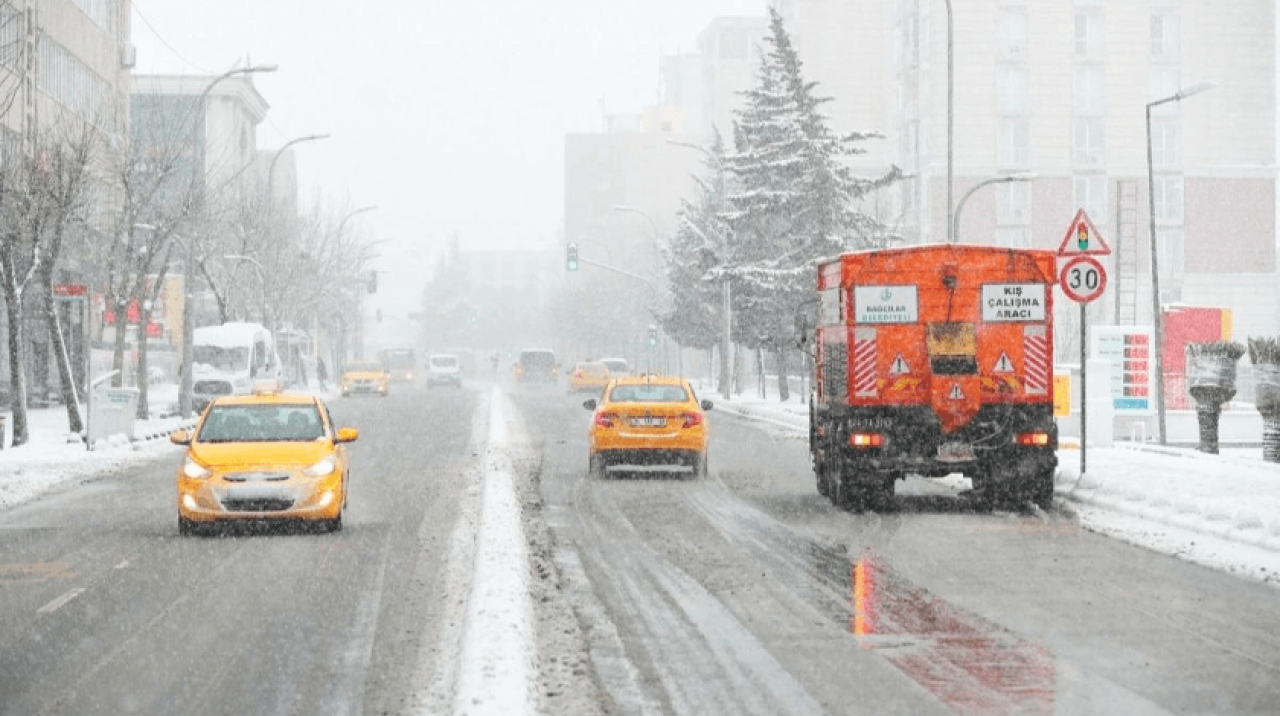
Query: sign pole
[1084,387]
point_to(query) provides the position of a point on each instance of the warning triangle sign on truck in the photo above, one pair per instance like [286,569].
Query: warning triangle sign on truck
[1083,238]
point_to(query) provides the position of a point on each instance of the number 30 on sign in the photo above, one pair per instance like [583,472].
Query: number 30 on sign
[1083,279]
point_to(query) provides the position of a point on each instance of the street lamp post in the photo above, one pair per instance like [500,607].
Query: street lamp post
[955,221]
[188,330]
[951,119]
[1156,322]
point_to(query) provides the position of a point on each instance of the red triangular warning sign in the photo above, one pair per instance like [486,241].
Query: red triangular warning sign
[899,366]
[1083,238]
[1003,364]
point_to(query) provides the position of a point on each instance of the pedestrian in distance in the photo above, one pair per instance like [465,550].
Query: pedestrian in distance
[322,375]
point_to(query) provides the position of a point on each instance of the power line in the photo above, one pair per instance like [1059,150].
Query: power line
[165,42]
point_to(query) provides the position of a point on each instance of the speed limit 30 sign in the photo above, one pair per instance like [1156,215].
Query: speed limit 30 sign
[1083,279]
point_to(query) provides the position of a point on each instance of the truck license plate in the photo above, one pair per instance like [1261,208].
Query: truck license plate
[956,452]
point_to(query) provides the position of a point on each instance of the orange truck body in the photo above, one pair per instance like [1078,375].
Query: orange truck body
[934,360]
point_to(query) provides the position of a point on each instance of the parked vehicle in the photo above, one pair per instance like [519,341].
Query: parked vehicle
[228,360]
[935,360]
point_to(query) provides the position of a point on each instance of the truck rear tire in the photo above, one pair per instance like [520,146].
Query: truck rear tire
[1042,488]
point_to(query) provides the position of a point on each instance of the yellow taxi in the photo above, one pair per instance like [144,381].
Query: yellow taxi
[365,377]
[588,376]
[263,457]
[647,420]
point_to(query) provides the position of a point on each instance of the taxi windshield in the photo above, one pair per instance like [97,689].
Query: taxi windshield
[261,423]
[648,394]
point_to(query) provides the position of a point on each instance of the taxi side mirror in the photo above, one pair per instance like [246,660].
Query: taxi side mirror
[706,404]
[180,437]
[347,435]
[590,404]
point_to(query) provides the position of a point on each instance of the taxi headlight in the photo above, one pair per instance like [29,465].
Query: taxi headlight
[195,470]
[322,468]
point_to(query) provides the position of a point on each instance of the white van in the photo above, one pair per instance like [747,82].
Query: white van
[227,359]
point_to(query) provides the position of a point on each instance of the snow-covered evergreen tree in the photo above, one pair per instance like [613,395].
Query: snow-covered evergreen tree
[700,242]
[794,200]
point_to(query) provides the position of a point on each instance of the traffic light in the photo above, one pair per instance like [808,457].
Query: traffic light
[372,282]
[653,336]
[571,257]
[1082,236]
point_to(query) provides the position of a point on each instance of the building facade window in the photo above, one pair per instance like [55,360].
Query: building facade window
[1166,152]
[1089,35]
[1090,142]
[1166,35]
[1013,87]
[72,84]
[1091,90]
[1013,203]
[1091,195]
[1164,82]
[1012,31]
[1168,200]
[1015,142]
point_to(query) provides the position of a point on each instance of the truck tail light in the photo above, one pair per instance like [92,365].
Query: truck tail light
[692,419]
[1033,439]
[605,420]
[866,440]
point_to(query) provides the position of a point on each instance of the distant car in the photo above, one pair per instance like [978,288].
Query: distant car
[588,377]
[443,369]
[647,420]
[365,378]
[617,366]
[261,457]
[537,366]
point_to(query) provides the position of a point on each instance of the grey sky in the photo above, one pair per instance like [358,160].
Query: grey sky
[449,116]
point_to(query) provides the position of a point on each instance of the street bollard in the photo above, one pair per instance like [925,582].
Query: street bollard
[1265,354]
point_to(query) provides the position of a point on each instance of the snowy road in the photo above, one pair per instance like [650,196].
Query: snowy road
[748,593]
[104,609]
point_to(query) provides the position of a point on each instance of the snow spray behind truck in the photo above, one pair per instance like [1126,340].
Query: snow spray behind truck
[935,360]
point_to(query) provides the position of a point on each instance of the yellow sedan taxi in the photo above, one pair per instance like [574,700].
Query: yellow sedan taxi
[367,377]
[648,420]
[269,456]
[588,377]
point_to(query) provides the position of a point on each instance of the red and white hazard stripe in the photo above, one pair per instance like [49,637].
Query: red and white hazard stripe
[1036,360]
[864,363]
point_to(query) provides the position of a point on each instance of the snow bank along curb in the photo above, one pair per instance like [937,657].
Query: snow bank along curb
[1243,526]
[496,674]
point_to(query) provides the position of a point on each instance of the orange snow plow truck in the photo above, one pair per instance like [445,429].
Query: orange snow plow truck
[934,360]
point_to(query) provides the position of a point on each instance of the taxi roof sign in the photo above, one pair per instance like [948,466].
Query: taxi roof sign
[1083,238]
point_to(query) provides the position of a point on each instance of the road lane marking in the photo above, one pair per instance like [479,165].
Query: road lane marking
[58,603]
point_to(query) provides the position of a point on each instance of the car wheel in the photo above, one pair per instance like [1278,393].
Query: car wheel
[596,467]
[700,469]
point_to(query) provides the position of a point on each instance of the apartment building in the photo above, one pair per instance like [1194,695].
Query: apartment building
[1060,89]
